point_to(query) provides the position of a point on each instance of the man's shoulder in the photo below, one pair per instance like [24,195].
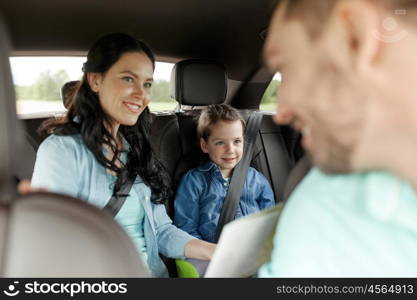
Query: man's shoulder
[316,176]
[361,179]
[353,187]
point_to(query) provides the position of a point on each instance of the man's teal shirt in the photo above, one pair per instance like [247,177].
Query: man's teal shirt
[355,225]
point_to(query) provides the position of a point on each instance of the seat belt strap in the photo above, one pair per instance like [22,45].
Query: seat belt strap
[116,201]
[240,172]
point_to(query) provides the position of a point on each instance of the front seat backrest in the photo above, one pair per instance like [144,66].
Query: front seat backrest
[49,235]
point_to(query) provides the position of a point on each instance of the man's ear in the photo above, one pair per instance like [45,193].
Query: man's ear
[203,145]
[361,21]
[94,80]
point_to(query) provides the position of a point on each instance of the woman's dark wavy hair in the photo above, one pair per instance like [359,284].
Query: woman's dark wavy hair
[86,117]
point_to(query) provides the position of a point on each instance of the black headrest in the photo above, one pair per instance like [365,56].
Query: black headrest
[68,90]
[198,82]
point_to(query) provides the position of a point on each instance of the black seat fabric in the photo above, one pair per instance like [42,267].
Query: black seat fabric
[276,159]
[198,82]
[165,140]
[297,174]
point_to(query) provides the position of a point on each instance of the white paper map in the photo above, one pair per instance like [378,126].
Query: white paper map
[244,245]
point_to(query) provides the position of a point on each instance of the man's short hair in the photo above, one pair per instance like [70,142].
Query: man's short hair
[315,13]
[216,113]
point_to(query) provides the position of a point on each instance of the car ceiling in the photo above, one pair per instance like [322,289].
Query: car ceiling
[228,31]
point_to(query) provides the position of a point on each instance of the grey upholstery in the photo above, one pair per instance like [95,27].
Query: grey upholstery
[8,143]
[49,235]
[56,236]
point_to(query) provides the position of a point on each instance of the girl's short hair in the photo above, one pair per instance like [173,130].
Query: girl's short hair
[216,113]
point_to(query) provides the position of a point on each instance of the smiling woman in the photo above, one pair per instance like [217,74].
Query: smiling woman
[125,89]
[104,137]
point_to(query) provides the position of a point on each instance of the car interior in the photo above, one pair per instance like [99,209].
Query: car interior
[67,237]
[217,52]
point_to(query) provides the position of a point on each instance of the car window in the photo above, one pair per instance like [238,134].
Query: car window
[269,99]
[161,100]
[38,82]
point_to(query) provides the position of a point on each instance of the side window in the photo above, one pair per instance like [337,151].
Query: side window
[160,100]
[38,82]
[269,99]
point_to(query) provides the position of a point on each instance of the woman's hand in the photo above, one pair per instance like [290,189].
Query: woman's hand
[199,249]
[24,188]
